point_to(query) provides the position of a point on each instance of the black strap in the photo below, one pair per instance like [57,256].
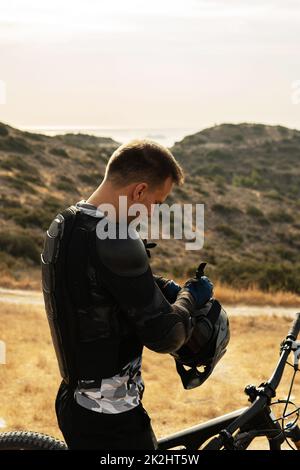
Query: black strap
[214,312]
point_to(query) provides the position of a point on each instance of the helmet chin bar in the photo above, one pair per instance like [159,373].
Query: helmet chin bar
[192,377]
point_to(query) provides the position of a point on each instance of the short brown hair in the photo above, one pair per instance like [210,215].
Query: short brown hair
[143,159]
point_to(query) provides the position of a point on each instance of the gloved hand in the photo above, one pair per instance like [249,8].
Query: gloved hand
[172,289]
[168,287]
[200,286]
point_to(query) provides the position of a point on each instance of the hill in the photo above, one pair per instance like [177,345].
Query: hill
[39,175]
[247,175]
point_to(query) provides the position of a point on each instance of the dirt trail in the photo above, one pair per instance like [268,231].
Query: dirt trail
[21,296]
[31,297]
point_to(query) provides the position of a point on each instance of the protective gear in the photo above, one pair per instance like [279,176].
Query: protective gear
[102,301]
[206,346]
[84,323]
[201,289]
[159,325]
[169,288]
[57,304]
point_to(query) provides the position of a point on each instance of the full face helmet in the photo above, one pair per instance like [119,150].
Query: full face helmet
[206,345]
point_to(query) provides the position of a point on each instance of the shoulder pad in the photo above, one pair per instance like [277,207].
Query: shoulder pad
[125,257]
[62,222]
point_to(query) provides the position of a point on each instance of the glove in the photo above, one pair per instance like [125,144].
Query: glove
[171,290]
[201,289]
[200,286]
[168,287]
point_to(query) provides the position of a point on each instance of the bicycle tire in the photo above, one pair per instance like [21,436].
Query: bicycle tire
[26,440]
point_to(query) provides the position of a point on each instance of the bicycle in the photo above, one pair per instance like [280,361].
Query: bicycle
[28,440]
[232,431]
[237,430]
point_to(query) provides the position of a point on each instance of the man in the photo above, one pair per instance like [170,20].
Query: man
[119,307]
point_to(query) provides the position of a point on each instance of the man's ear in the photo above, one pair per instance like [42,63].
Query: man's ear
[139,192]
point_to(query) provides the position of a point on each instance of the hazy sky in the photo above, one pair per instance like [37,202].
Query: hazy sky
[154,63]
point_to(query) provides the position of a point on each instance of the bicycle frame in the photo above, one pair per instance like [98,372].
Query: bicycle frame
[192,438]
[258,419]
[237,430]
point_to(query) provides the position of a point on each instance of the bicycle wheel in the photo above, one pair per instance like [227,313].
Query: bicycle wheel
[25,440]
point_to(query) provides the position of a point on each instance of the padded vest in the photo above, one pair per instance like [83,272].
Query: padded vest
[88,328]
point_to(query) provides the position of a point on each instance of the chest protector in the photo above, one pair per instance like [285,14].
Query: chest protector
[85,324]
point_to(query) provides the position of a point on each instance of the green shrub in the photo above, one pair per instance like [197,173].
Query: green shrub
[258,128]
[6,202]
[225,210]
[213,169]
[290,147]
[274,194]
[59,152]
[180,192]
[267,276]
[288,238]
[259,216]
[25,170]
[198,188]
[18,183]
[293,190]
[286,254]
[281,217]
[17,162]
[179,270]
[238,137]
[254,211]
[9,262]
[90,178]
[219,182]
[283,130]
[36,137]
[33,177]
[251,181]
[19,244]
[3,130]
[220,155]
[44,160]
[26,217]
[66,184]
[14,144]
[229,232]
[51,204]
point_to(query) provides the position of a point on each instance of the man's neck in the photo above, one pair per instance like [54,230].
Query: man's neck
[104,194]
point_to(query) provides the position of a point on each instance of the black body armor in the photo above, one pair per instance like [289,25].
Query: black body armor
[102,302]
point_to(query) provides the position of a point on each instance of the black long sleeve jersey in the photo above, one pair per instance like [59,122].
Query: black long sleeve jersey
[120,308]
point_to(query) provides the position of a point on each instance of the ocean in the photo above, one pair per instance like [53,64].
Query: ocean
[165,136]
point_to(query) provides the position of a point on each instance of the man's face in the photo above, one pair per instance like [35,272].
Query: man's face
[159,195]
[148,196]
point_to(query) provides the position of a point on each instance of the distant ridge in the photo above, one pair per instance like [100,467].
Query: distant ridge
[247,175]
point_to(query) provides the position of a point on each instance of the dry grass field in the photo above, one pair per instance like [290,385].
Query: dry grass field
[29,380]
[31,280]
